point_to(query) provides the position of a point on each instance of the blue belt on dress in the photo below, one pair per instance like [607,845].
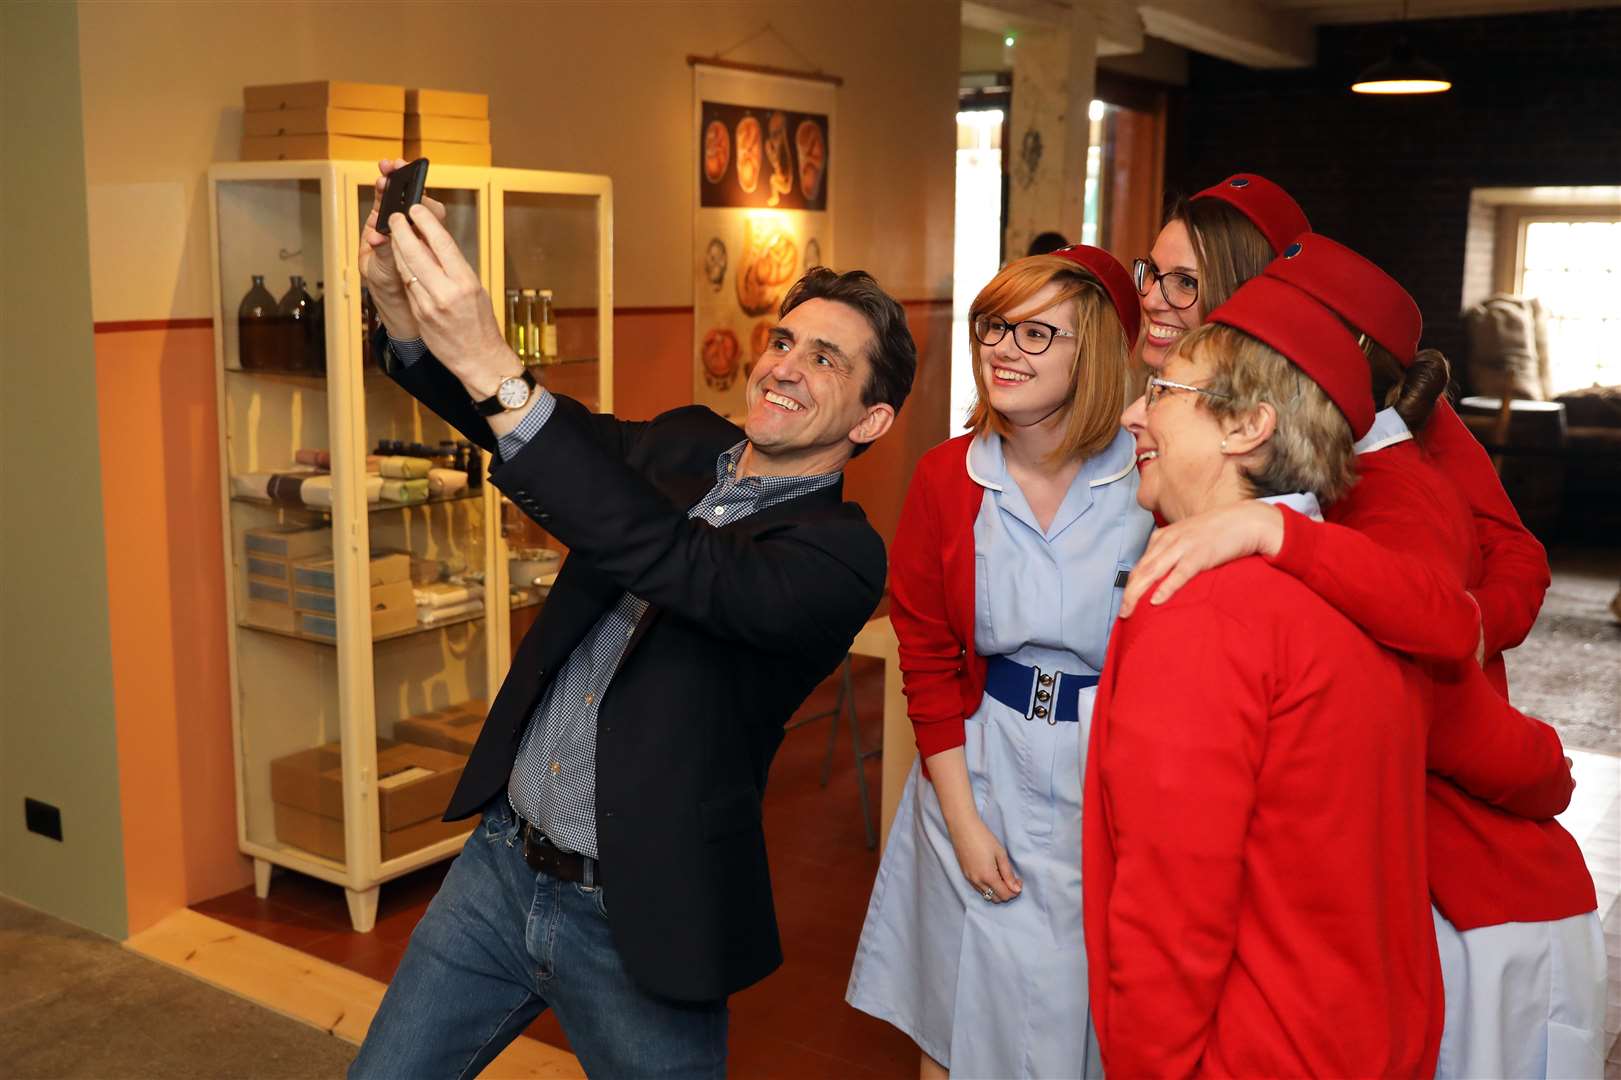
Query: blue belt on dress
[1053,696]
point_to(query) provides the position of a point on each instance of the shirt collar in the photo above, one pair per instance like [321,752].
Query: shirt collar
[1303,501]
[1388,429]
[987,466]
[726,471]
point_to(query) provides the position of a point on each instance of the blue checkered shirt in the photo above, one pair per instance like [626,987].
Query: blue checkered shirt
[554,779]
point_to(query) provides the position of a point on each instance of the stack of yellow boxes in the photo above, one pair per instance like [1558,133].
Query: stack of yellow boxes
[268,558]
[447,127]
[312,121]
[315,602]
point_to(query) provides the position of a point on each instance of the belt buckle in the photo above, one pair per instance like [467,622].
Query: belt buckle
[1040,707]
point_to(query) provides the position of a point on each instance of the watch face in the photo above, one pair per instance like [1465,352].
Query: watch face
[513,393]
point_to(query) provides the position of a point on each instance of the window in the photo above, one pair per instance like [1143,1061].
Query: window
[1572,263]
[978,252]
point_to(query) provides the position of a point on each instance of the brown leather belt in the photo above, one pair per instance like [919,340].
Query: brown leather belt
[545,857]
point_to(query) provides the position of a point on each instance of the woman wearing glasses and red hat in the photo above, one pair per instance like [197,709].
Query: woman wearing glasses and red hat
[1005,570]
[1521,947]
[1255,899]
[1210,244]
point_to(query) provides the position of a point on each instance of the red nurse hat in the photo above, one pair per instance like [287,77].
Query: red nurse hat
[1273,210]
[1116,282]
[1363,295]
[1311,336]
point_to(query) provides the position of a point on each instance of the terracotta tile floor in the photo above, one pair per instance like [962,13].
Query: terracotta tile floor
[795,1023]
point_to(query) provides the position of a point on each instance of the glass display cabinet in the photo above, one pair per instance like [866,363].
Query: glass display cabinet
[377,583]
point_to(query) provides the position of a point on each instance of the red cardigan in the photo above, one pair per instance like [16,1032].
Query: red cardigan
[1497,776]
[931,581]
[1253,859]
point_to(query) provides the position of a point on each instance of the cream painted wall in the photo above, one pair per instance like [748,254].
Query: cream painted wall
[57,737]
[599,87]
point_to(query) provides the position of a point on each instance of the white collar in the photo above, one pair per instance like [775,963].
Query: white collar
[1116,461]
[1303,501]
[1388,429]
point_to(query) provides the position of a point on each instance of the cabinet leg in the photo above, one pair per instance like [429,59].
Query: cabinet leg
[362,908]
[261,878]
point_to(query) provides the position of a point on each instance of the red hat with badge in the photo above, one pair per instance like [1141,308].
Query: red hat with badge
[1363,295]
[1311,336]
[1273,210]
[1116,281]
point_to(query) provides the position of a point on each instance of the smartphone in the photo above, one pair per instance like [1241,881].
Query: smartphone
[405,187]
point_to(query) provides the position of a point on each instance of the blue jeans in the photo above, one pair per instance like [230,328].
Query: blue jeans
[499,944]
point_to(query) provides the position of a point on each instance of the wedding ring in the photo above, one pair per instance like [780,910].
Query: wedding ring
[412,282]
[989,895]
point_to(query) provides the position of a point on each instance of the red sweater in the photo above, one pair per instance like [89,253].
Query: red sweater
[1497,776]
[1255,897]
[931,582]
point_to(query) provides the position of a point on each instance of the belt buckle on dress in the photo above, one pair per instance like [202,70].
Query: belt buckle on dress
[1040,697]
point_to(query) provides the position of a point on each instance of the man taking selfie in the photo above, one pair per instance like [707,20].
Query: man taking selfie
[618,874]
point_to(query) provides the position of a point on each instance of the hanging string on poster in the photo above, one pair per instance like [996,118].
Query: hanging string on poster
[762,214]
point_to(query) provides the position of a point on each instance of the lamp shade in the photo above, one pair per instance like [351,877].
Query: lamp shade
[1402,72]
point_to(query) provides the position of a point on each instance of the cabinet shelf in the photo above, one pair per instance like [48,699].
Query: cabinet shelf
[371,508]
[419,628]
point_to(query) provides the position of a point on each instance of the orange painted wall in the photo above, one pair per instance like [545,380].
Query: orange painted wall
[166,612]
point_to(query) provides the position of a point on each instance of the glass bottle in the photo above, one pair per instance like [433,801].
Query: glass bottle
[475,465]
[530,353]
[257,323]
[513,341]
[294,310]
[315,330]
[548,328]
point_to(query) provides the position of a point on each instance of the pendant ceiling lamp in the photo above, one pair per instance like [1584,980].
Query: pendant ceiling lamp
[1402,72]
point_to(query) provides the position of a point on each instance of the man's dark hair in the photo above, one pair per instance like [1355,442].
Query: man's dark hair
[894,353]
[1046,243]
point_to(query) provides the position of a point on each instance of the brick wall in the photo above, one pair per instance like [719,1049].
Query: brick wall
[1536,100]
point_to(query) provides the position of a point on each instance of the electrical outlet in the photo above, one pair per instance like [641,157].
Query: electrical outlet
[43,818]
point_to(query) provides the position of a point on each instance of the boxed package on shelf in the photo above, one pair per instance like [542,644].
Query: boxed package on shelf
[368,123]
[329,93]
[269,604]
[267,563]
[414,785]
[288,541]
[448,127]
[393,609]
[319,147]
[386,567]
[454,729]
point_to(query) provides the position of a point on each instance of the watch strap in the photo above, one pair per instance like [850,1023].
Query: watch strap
[491,406]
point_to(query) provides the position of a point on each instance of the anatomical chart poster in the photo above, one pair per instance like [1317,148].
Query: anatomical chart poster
[762,216]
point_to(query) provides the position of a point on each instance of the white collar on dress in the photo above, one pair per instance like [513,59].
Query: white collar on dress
[1303,501]
[1388,429]
[1116,461]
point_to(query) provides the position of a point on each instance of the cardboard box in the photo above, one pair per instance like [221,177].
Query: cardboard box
[386,567]
[318,148]
[448,153]
[448,103]
[393,610]
[326,94]
[414,783]
[269,616]
[455,729]
[268,568]
[288,541]
[324,836]
[369,122]
[457,129]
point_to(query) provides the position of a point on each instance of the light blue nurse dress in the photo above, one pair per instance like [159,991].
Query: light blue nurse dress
[999,990]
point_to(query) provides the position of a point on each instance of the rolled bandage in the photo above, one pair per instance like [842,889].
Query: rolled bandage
[405,468]
[405,491]
[446,482]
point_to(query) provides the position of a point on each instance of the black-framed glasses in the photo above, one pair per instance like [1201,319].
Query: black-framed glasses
[1033,338]
[1180,290]
[1158,388]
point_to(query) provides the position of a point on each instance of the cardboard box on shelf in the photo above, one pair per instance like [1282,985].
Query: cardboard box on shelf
[393,610]
[457,129]
[268,568]
[269,616]
[454,729]
[385,568]
[318,148]
[414,785]
[320,121]
[288,541]
[448,153]
[325,94]
[448,103]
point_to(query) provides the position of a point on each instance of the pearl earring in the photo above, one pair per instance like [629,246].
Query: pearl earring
[1224,446]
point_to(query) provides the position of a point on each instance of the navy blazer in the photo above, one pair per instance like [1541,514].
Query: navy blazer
[744,621]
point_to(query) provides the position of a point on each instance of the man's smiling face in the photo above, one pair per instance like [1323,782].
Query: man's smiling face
[804,395]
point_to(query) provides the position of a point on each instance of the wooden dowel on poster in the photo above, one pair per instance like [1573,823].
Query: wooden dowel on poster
[764,69]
